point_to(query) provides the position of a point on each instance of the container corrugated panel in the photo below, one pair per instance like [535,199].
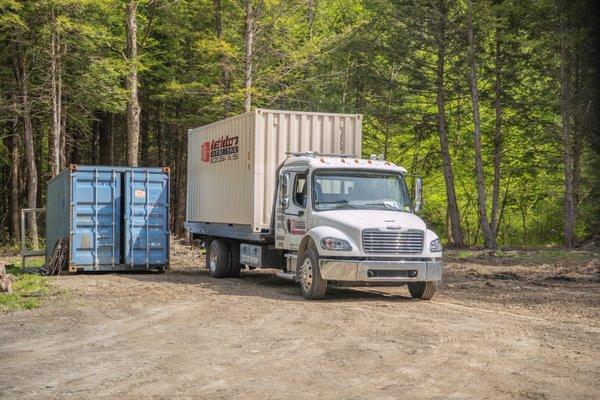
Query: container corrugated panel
[218,188]
[96,216]
[57,211]
[146,215]
[232,163]
[106,228]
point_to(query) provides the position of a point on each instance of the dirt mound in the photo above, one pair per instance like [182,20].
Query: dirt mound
[184,254]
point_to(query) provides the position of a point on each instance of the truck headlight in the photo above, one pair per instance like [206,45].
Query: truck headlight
[330,243]
[435,246]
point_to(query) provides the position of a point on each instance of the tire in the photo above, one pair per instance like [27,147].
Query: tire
[161,270]
[422,290]
[312,285]
[217,259]
[234,259]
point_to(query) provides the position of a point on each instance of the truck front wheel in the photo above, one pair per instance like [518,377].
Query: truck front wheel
[422,290]
[217,259]
[312,285]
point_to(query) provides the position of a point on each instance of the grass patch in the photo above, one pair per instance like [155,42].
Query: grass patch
[28,291]
[522,256]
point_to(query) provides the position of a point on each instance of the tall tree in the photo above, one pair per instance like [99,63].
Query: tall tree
[248,53]
[133,106]
[489,239]
[223,59]
[22,78]
[453,212]
[56,82]
[569,227]
[14,173]
[495,221]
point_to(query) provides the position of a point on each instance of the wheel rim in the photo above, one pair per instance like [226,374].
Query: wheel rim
[212,261]
[306,274]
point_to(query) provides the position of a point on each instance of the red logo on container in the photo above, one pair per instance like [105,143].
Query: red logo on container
[218,150]
[206,152]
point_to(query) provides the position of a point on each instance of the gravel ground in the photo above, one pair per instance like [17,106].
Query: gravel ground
[492,331]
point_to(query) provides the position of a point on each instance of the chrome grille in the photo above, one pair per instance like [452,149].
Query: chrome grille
[381,242]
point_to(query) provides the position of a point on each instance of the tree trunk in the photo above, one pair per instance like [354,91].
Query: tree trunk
[489,239]
[249,41]
[495,221]
[133,106]
[14,175]
[94,142]
[453,212]
[104,139]
[56,83]
[579,129]
[22,77]
[524,222]
[158,137]
[569,229]
[223,60]
[181,196]
[388,117]
[63,140]
[111,138]
[144,153]
[74,150]
[179,203]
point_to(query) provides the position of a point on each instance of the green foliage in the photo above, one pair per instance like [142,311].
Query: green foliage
[28,291]
[376,57]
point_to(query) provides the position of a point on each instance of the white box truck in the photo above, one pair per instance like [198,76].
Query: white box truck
[288,190]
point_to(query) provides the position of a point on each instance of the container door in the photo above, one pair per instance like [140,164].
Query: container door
[95,217]
[146,217]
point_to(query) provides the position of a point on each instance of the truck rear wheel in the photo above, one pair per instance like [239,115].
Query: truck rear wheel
[422,290]
[217,259]
[234,259]
[312,285]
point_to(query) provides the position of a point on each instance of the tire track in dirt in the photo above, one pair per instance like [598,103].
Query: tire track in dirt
[451,342]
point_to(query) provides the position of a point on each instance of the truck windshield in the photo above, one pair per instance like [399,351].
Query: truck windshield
[359,190]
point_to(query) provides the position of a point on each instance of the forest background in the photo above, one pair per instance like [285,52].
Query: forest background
[494,103]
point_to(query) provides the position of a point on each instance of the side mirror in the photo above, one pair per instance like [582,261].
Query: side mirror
[418,194]
[284,200]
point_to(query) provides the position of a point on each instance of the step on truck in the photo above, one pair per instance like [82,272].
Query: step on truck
[288,190]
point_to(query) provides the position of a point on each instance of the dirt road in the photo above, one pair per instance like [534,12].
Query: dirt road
[492,332]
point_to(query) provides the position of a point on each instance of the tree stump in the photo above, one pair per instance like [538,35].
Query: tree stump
[5,280]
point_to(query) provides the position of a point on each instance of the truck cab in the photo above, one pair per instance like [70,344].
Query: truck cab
[348,221]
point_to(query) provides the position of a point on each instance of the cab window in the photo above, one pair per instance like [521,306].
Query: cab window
[300,190]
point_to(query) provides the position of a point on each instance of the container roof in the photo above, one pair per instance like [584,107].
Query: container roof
[320,162]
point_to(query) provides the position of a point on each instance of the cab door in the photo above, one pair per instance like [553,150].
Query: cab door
[292,199]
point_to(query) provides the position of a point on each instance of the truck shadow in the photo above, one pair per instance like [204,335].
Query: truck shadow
[264,283]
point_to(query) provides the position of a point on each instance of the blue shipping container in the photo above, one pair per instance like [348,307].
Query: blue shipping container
[115,218]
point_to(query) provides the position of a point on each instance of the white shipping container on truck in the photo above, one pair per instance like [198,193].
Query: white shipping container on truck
[288,190]
[232,163]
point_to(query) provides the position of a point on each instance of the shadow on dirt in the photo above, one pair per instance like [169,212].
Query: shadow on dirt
[264,283]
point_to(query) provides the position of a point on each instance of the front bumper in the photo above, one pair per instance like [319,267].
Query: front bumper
[380,271]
